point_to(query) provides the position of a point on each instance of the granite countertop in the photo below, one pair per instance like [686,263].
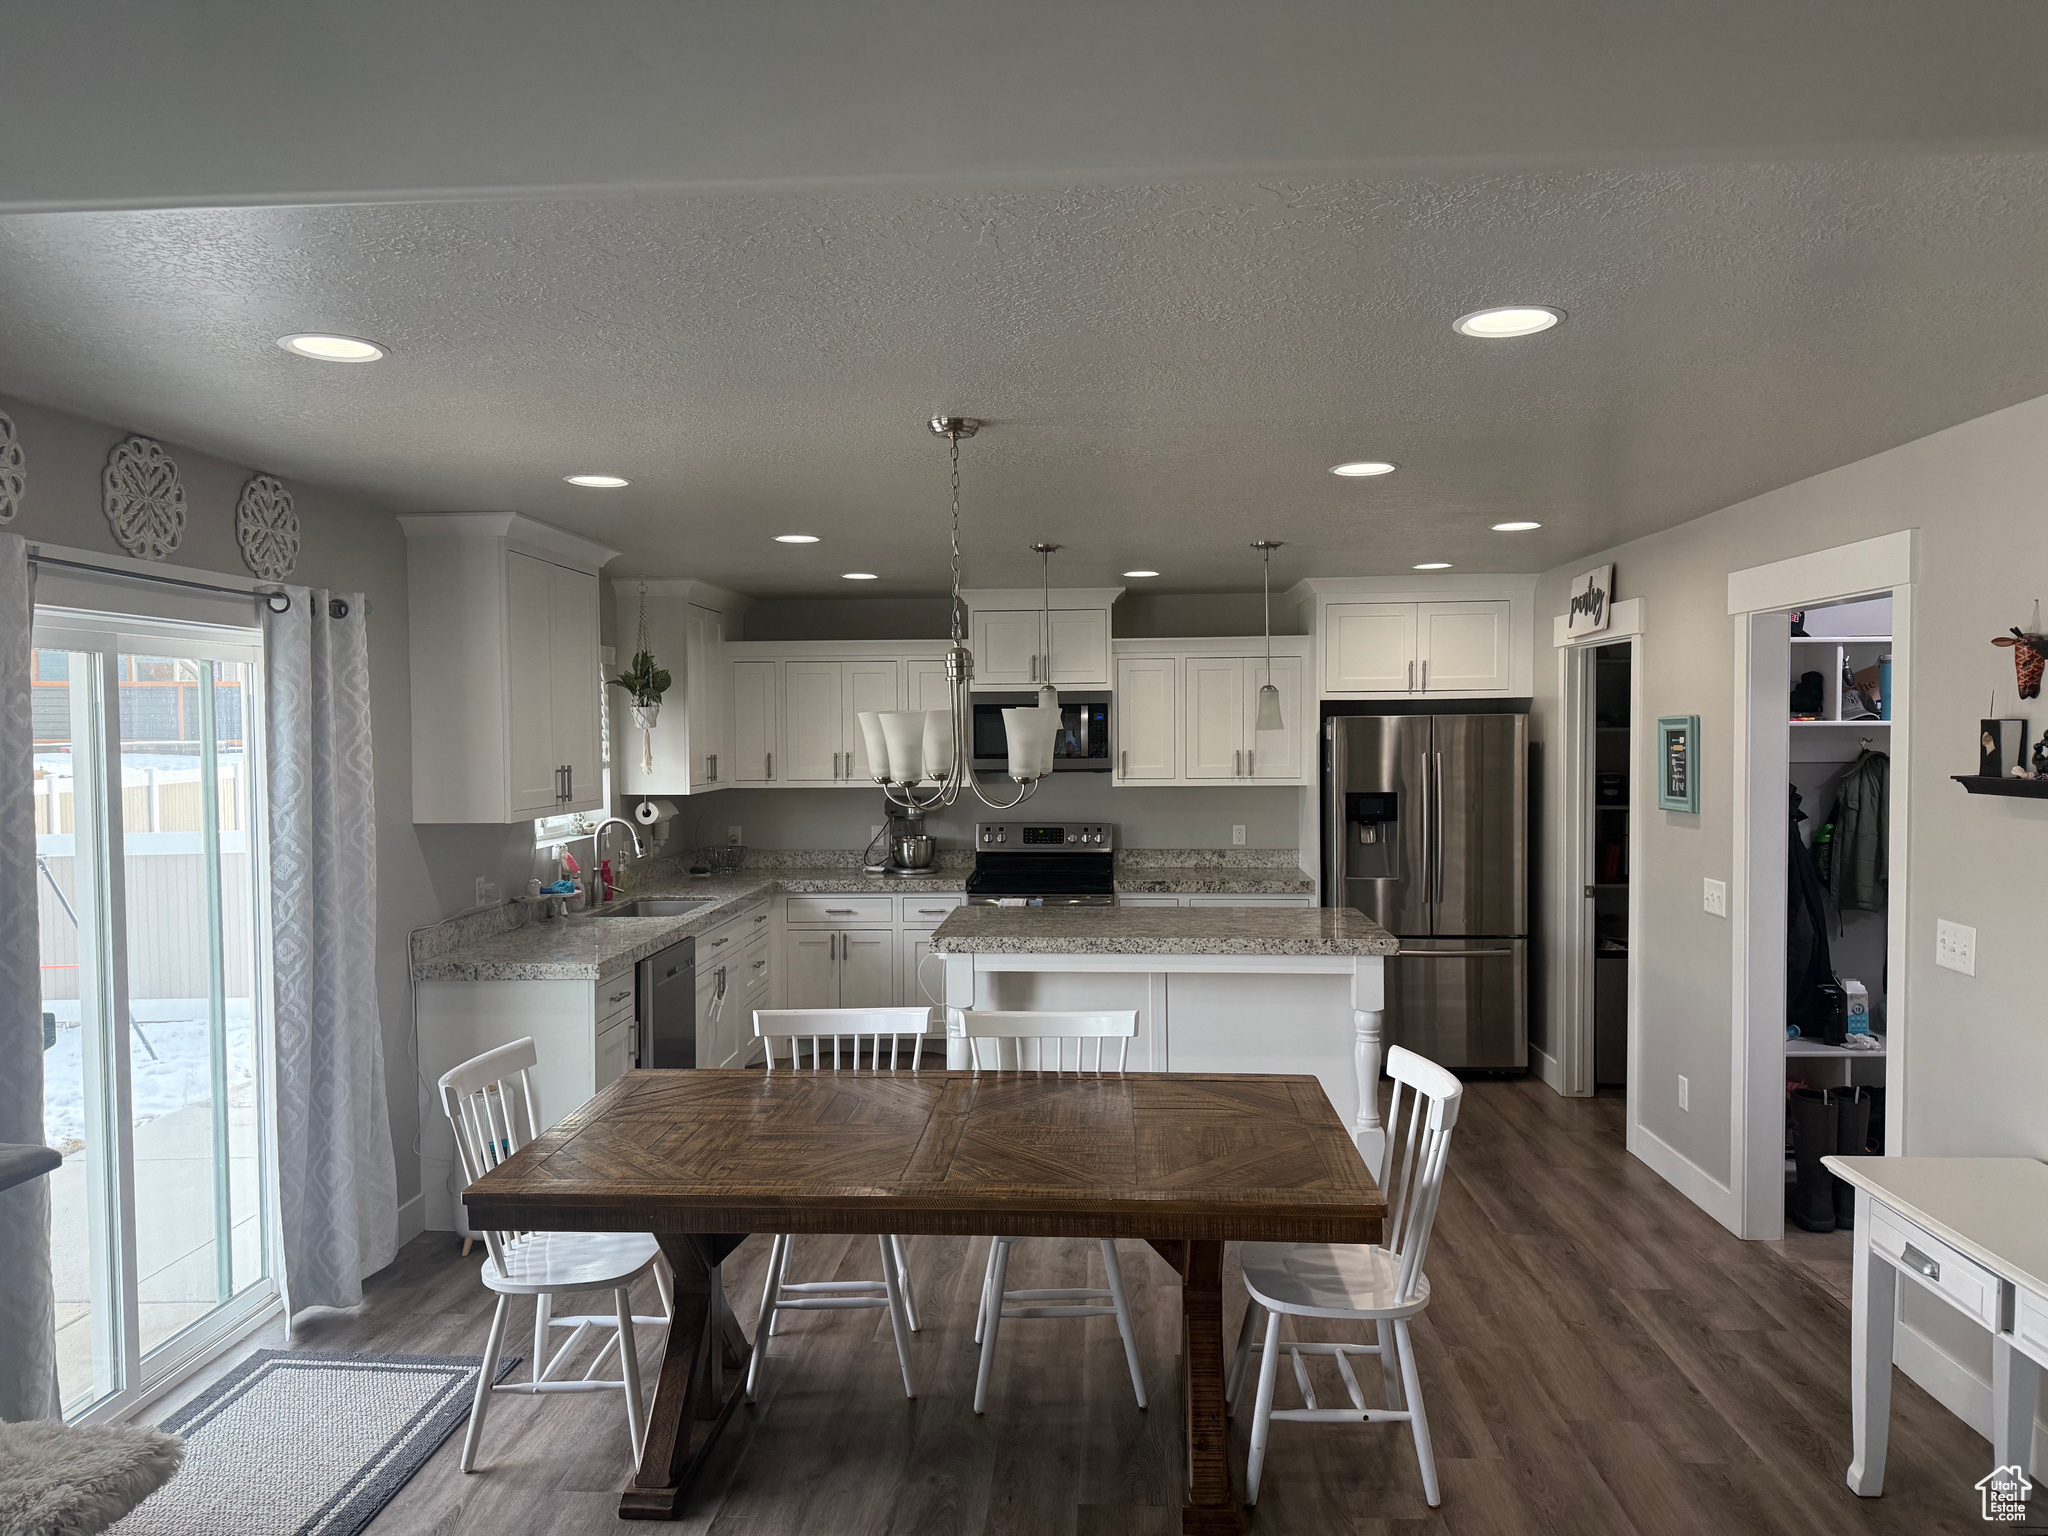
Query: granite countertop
[589,945]
[1161,931]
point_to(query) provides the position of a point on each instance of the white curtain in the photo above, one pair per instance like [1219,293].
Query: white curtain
[28,1333]
[337,1186]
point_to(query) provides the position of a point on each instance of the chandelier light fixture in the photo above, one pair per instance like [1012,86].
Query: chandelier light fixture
[1269,696]
[919,757]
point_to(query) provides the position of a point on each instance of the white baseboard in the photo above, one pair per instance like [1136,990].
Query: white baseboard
[1952,1384]
[1548,1068]
[412,1218]
[1686,1176]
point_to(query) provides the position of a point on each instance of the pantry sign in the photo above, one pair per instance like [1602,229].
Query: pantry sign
[1591,598]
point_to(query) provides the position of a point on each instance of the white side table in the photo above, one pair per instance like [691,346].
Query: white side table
[1972,1231]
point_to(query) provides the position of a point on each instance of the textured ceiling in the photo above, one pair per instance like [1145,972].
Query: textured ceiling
[1168,369]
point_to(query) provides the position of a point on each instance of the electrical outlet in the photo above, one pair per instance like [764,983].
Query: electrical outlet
[1716,898]
[875,831]
[732,837]
[1237,836]
[1955,946]
[1685,1093]
[487,894]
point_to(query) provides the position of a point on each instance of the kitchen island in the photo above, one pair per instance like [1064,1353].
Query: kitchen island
[1217,989]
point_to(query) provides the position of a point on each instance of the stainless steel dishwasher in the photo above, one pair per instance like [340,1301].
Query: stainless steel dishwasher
[668,1006]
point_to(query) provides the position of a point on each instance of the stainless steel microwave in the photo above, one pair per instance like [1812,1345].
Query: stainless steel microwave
[1082,745]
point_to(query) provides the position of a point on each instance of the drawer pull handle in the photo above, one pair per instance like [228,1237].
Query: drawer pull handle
[932,911]
[1920,1264]
[715,943]
[839,911]
[759,963]
[619,997]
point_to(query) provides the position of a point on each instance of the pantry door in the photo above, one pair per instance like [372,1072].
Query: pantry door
[154,1084]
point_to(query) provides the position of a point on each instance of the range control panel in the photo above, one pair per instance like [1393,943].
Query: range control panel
[1032,836]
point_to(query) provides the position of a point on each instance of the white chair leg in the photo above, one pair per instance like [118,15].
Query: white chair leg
[1115,1272]
[1390,1361]
[1418,1422]
[1241,1359]
[899,1321]
[776,1271]
[768,1283]
[991,1317]
[665,1286]
[543,1309]
[486,1376]
[903,1279]
[988,1275]
[1262,1410]
[629,1368]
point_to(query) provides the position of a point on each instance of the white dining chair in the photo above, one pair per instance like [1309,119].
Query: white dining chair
[1383,1283]
[1044,1042]
[836,1040]
[490,1102]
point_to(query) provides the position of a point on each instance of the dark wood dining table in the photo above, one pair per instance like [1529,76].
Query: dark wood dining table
[1183,1162]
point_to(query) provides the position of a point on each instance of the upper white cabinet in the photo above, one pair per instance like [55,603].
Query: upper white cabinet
[1018,643]
[822,740]
[755,737]
[1147,715]
[1187,712]
[1461,637]
[506,689]
[687,623]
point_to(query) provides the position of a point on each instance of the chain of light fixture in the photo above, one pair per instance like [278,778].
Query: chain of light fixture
[959,673]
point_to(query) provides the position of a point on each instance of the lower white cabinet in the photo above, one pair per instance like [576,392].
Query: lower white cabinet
[914,944]
[614,1053]
[1148,900]
[840,968]
[1161,899]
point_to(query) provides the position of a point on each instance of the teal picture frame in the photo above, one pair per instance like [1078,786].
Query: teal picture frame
[1678,763]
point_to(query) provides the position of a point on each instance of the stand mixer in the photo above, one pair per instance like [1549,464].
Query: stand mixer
[903,847]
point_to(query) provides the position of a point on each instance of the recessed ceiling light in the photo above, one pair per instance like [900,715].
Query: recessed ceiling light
[796,538]
[1363,467]
[1507,320]
[330,349]
[1434,565]
[1515,527]
[598,482]
[858,576]
[1141,573]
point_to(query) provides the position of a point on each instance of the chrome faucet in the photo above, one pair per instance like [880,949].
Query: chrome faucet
[597,841]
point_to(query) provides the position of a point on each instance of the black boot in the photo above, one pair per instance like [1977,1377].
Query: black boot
[1812,1119]
[1852,1139]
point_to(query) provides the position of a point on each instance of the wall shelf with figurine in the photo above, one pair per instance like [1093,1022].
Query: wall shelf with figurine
[1983,784]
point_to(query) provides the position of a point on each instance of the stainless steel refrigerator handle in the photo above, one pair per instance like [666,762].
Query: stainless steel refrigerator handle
[1447,954]
[1428,833]
[1436,881]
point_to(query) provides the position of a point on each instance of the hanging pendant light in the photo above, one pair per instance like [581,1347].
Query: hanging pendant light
[1269,696]
[919,757]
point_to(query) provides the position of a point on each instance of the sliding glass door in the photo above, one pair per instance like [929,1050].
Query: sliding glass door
[154,1083]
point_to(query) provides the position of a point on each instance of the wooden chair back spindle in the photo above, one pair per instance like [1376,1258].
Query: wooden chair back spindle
[889,1038]
[1039,1041]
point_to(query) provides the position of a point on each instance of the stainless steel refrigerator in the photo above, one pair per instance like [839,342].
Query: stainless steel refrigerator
[1425,830]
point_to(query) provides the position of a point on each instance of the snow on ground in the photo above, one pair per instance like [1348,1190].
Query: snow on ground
[182,1074]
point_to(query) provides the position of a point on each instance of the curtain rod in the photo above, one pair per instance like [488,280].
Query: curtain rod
[278,602]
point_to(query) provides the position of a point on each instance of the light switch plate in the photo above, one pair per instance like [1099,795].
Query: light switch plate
[1955,946]
[1685,1093]
[1237,835]
[487,894]
[1716,898]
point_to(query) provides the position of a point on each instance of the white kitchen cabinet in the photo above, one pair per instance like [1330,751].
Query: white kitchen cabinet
[687,622]
[1077,647]
[810,967]
[1251,901]
[840,968]
[614,1054]
[755,721]
[1008,647]
[914,945]
[504,660]
[714,991]
[925,685]
[821,739]
[1148,899]
[1147,720]
[1369,648]
[1276,755]
[1212,720]
[1464,647]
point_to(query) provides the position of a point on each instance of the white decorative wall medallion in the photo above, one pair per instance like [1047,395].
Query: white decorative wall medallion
[144,499]
[267,527]
[13,470]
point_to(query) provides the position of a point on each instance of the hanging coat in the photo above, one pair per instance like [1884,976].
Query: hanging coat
[1808,964]
[1856,863]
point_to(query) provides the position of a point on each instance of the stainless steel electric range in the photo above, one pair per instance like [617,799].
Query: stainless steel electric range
[1043,864]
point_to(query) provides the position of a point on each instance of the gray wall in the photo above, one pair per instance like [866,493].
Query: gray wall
[1147,818]
[350,545]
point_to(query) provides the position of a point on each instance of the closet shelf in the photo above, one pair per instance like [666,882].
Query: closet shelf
[1863,725]
[1805,1047]
[1841,639]
[2023,789]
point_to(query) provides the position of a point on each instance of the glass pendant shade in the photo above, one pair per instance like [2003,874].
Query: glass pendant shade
[1269,710]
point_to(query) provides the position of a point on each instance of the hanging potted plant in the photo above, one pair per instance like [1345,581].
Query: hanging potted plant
[644,683]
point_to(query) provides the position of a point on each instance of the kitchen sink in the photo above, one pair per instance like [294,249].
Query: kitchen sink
[660,906]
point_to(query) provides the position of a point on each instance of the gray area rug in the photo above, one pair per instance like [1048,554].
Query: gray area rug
[307,1444]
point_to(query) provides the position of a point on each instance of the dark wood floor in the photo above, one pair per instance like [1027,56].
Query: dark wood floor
[1598,1356]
